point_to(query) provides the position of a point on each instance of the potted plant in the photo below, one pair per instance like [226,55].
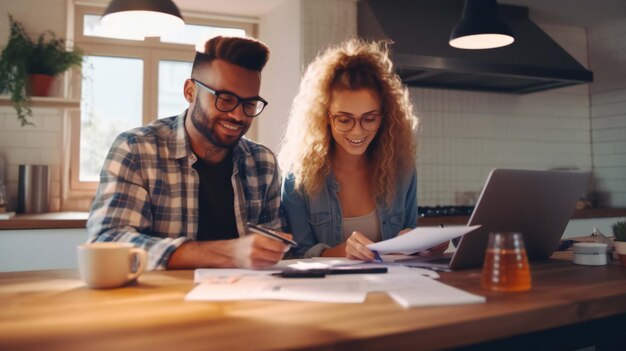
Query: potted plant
[23,58]
[619,232]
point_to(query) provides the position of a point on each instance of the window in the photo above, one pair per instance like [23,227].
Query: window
[128,83]
[111,97]
[172,75]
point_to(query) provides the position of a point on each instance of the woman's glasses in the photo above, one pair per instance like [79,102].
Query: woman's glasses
[370,121]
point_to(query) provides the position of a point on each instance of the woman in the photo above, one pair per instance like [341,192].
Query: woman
[349,152]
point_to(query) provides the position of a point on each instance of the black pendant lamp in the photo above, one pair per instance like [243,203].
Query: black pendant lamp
[137,19]
[480,27]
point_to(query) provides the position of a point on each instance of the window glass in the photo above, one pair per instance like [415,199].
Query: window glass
[194,34]
[172,75]
[111,102]
[92,28]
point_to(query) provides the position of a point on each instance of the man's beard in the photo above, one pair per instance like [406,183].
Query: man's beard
[205,125]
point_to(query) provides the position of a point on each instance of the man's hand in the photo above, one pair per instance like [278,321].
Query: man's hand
[257,251]
[251,251]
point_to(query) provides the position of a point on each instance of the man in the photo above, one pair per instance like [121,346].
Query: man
[184,187]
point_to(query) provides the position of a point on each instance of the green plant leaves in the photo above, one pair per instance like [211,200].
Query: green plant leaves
[619,230]
[22,57]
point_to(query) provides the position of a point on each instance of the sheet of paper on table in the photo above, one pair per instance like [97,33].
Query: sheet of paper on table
[433,293]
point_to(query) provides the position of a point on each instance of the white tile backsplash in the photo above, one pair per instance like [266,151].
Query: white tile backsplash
[607,55]
[466,134]
[30,145]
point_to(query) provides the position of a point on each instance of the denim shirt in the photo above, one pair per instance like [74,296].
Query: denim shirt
[316,223]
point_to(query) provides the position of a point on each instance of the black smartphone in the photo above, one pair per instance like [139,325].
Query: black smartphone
[321,273]
[301,273]
[356,270]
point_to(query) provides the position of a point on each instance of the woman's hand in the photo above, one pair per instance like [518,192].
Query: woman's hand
[404,231]
[356,247]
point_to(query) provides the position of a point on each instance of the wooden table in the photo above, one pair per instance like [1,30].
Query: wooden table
[570,306]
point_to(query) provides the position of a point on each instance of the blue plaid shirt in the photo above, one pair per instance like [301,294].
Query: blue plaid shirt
[148,192]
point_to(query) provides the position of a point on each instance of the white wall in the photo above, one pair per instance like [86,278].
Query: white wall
[607,56]
[296,31]
[281,31]
[325,23]
[41,144]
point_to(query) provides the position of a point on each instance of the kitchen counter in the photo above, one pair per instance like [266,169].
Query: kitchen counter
[61,220]
[578,214]
[52,220]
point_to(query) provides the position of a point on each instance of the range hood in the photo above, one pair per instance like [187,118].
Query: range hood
[420,30]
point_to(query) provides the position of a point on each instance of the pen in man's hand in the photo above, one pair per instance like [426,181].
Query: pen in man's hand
[259,229]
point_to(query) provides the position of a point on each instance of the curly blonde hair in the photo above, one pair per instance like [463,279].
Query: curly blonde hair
[354,64]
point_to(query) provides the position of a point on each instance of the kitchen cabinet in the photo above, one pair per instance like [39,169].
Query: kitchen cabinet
[35,249]
[41,241]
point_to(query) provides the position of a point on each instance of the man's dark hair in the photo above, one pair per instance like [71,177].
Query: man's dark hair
[245,52]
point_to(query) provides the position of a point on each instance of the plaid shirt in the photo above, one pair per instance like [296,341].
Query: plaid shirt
[148,192]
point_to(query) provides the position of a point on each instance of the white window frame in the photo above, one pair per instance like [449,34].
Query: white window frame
[79,193]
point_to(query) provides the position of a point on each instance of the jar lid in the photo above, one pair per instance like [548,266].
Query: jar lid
[590,248]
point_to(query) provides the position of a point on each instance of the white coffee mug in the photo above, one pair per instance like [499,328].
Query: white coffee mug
[110,264]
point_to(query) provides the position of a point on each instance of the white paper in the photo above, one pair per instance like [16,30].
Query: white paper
[419,239]
[429,292]
[274,288]
[315,263]
[226,275]
[398,277]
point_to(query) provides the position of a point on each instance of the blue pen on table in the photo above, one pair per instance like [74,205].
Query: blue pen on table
[259,229]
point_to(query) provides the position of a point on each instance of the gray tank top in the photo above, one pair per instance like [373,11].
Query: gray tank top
[368,225]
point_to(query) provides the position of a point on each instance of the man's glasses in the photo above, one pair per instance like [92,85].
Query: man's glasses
[226,102]
[368,121]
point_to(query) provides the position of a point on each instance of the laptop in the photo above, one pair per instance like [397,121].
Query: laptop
[539,204]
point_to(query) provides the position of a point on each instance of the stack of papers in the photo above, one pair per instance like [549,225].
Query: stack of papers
[407,286]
